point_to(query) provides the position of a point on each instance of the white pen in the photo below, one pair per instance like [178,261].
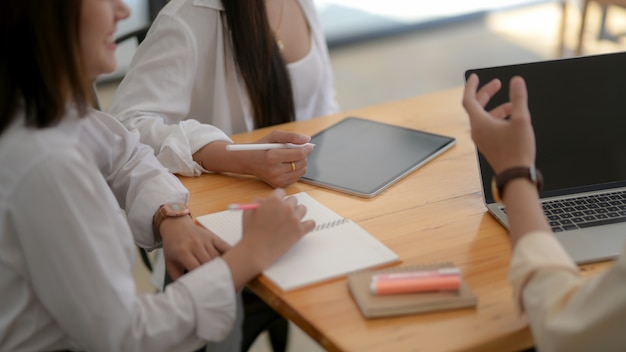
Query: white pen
[264,146]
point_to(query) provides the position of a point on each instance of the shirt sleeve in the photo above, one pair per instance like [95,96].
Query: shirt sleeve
[156,101]
[136,178]
[566,312]
[79,257]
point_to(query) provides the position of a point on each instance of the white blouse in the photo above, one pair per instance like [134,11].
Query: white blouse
[567,312]
[67,249]
[183,90]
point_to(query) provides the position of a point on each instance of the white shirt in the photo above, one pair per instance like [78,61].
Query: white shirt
[183,90]
[566,312]
[67,251]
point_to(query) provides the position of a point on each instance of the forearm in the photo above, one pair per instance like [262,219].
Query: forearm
[214,157]
[243,261]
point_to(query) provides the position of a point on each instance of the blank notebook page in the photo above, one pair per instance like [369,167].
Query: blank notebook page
[336,247]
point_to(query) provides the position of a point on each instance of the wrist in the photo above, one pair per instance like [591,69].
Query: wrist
[171,227]
[168,211]
[244,264]
[500,181]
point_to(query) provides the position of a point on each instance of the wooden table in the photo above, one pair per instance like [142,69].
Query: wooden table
[435,214]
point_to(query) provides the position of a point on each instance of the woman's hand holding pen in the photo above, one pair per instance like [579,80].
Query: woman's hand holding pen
[268,232]
[279,167]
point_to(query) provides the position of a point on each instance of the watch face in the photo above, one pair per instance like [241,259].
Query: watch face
[175,209]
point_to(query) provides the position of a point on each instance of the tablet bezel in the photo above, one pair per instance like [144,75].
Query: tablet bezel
[358,145]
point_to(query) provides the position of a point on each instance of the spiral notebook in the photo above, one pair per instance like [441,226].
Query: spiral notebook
[373,306]
[336,247]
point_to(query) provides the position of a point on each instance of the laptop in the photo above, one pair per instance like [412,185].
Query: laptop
[578,109]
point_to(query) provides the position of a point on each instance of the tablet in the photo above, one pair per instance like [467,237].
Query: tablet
[363,157]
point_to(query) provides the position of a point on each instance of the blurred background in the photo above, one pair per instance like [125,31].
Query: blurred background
[393,49]
[388,50]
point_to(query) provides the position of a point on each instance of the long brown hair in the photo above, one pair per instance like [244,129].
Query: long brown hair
[40,63]
[260,62]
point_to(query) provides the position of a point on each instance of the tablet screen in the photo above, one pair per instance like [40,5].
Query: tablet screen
[364,157]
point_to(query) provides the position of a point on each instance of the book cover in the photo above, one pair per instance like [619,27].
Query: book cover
[374,306]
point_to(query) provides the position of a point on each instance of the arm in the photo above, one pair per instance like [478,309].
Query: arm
[566,313]
[141,184]
[167,76]
[156,95]
[78,256]
[507,143]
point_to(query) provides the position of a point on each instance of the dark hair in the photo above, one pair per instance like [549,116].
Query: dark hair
[41,69]
[260,62]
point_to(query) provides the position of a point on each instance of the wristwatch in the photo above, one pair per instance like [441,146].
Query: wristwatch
[498,182]
[168,210]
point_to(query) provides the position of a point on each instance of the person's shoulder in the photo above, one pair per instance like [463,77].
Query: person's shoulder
[29,153]
[308,5]
[180,5]
[190,14]
[213,4]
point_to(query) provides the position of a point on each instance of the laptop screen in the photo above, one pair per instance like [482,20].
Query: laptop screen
[578,109]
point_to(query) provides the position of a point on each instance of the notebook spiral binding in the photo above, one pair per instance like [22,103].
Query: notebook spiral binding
[330,224]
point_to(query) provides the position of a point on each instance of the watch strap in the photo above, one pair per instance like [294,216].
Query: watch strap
[500,181]
[167,210]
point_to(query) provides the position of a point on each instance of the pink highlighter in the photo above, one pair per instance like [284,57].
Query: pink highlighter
[390,284]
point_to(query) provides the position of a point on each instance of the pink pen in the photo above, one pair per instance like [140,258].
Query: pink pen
[243,206]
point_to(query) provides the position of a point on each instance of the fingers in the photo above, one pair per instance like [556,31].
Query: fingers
[519,98]
[196,248]
[174,271]
[291,137]
[292,202]
[291,154]
[470,103]
[281,167]
[194,258]
[488,91]
[299,209]
[294,166]
[278,193]
[207,252]
[308,226]
[220,245]
[285,137]
[475,101]
[502,111]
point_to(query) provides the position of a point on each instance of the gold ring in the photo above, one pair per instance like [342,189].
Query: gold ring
[293,166]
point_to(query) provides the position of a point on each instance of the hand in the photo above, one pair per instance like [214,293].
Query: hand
[503,135]
[276,166]
[268,232]
[187,245]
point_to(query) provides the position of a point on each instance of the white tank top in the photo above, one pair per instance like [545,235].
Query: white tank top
[306,82]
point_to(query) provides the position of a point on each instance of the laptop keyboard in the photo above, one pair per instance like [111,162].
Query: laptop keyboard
[586,211]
